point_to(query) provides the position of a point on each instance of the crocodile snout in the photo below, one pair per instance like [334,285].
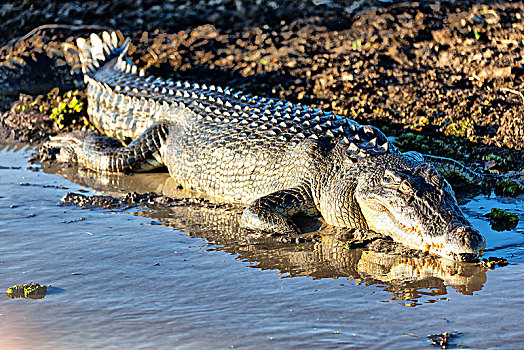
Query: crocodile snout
[467,239]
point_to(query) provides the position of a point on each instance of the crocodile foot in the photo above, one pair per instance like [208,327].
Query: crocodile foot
[63,148]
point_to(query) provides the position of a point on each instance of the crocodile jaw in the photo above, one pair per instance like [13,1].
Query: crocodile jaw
[461,243]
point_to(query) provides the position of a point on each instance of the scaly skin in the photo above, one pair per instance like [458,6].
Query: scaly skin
[278,158]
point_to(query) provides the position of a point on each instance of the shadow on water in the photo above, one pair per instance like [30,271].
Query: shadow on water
[410,276]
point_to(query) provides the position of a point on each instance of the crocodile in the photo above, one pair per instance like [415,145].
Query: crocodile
[277,158]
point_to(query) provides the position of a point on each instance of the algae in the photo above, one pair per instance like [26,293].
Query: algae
[492,262]
[502,220]
[30,290]
[508,188]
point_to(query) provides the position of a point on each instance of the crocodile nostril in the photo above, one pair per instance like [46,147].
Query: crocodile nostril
[468,237]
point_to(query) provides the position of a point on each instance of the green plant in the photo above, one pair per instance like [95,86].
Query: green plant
[463,128]
[502,220]
[66,109]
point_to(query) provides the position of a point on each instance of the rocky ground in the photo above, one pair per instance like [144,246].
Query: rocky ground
[443,77]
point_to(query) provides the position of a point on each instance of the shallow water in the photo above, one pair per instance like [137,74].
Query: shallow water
[187,277]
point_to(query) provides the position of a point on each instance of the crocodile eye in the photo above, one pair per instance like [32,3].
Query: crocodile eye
[405,187]
[391,178]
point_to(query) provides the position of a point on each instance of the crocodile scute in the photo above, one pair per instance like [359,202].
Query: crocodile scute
[278,158]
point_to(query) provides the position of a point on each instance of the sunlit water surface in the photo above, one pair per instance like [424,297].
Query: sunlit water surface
[120,280]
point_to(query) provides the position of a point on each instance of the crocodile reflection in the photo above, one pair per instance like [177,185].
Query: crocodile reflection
[408,277]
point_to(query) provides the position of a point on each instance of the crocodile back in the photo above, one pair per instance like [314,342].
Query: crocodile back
[221,141]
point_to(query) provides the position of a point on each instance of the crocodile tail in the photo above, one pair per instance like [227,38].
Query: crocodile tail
[96,52]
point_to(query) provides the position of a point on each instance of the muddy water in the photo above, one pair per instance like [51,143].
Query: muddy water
[187,277]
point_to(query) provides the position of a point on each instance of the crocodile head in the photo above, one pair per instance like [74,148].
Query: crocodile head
[401,196]
[409,201]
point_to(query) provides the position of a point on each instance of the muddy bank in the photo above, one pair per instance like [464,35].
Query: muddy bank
[442,77]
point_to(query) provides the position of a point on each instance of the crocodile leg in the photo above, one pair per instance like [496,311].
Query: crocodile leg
[106,154]
[271,213]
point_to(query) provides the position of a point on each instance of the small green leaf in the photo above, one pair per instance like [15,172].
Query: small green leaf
[477,35]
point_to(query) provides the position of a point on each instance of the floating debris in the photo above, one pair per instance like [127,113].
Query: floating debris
[132,199]
[502,220]
[30,290]
[508,188]
[442,339]
[492,262]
